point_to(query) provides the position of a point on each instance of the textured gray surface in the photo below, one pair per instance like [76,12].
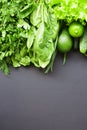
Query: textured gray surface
[31,100]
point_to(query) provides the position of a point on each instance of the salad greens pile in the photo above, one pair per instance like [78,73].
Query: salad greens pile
[30,29]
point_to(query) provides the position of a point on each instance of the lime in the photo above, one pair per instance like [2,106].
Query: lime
[76,29]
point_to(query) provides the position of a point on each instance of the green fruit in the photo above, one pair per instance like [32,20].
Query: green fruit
[65,42]
[83,43]
[76,29]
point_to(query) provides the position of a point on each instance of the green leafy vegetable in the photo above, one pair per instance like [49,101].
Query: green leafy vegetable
[31,29]
[70,10]
[83,43]
[28,30]
[47,30]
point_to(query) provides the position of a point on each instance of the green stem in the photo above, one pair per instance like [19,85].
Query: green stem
[76,41]
[64,59]
[50,66]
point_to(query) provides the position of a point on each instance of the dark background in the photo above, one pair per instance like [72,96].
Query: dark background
[32,100]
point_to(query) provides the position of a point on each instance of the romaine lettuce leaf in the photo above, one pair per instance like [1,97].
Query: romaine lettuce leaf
[46,33]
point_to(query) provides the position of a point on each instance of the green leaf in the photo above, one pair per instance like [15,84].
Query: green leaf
[27,10]
[31,36]
[36,15]
[43,45]
[25,61]
[15,63]
[4,67]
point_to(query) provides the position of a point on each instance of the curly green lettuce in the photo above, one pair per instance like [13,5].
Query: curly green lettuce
[70,10]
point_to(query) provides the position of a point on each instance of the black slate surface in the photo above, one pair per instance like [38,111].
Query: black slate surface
[31,100]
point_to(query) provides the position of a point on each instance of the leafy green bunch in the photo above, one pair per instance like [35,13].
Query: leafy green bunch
[28,33]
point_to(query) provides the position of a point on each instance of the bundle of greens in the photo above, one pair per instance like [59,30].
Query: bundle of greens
[31,31]
[28,31]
